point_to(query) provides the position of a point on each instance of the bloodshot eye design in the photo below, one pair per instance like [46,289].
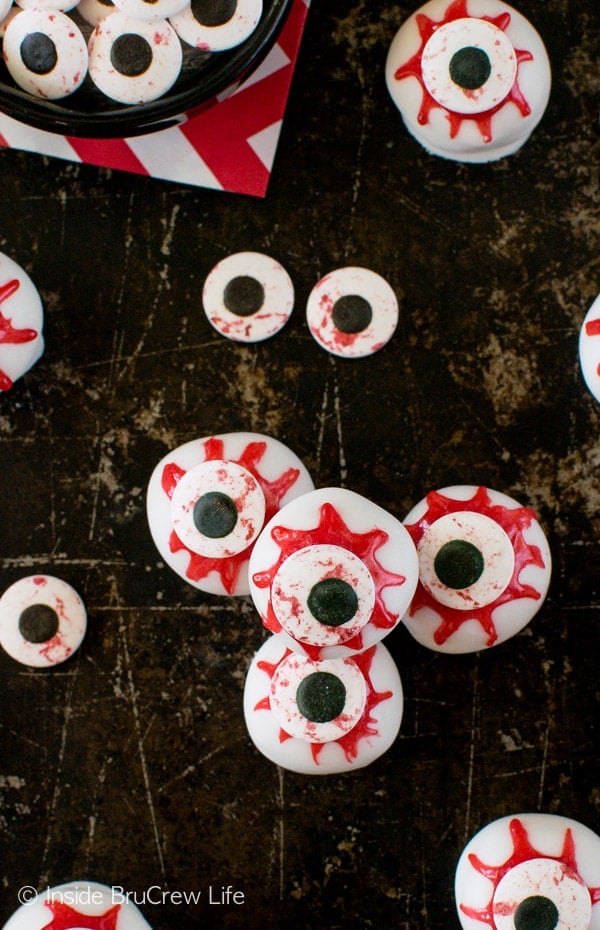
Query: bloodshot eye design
[45,53]
[248,297]
[133,61]
[470,86]
[21,322]
[42,621]
[332,573]
[78,905]
[484,569]
[321,717]
[215,27]
[530,872]
[352,312]
[208,501]
[589,348]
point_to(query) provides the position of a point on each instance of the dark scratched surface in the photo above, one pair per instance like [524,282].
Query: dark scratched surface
[130,764]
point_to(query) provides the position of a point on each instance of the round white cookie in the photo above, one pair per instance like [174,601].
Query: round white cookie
[45,53]
[21,322]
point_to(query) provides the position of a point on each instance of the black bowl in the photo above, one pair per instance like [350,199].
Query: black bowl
[204,76]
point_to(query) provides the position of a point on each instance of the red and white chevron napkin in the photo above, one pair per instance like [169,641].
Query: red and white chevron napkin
[229,146]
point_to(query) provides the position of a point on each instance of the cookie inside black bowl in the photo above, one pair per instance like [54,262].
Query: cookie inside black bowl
[205,73]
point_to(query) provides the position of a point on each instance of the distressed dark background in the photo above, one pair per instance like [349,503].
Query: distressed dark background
[130,764]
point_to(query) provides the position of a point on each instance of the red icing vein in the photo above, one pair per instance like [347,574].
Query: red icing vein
[413,68]
[363,728]
[66,918]
[331,530]
[514,521]
[8,334]
[523,851]
[229,568]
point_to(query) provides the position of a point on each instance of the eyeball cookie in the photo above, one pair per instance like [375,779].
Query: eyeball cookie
[209,499]
[82,904]
[217,27]
[352,312]
[42,621]
[332,573]
[484,568]
[589,348]
[530,872]
[132,61]
[320,717]
[248,297]
[93,11]
[45,53]
[471,78]
[21,322]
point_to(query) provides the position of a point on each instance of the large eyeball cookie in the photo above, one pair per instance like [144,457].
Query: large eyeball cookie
[484,568]
[134,61]
[248,297]
[78,905]
[332,573]
[45,53]
[589,348]
[216,27]
[42,621]
[209,499]
[320,717]
[21,322]
[352,312]
[530,872]
[471,78]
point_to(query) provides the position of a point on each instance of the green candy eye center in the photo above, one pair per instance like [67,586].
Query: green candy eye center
[536,913]
[458,564]
[470,67]
[215,515]
[38,623]
[332,602]
[321,697]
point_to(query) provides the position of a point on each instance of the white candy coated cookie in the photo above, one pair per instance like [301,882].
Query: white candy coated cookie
[21,322]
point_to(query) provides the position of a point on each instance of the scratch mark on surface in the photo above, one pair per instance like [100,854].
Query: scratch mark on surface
[281,828]
[340,435]
[543,767]
[322,417]
[473,739]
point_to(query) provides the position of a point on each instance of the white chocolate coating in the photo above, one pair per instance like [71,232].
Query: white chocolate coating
[273,313]
[21,322]
[221,37]
[279,472]
[324,302]
[149,10]
[71,51]
[60,602]
[340,518]
[589,348]
[482,121]
[375,711]
[155,80]
[95,10]
[471,618]
[76,901]
[530,856]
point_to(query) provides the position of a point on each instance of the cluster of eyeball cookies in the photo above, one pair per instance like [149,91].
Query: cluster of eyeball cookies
[134,52]
[351,312]
[471,78]
[331,574]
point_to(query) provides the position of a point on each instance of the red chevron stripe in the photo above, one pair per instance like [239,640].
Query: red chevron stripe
[108,153]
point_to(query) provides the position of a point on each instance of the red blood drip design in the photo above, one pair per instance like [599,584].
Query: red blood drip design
[66,918]
[413,68]
[363,728]
[514,522]
[592,328]
[8,334]
[523,851]
[331,530]
[228,569]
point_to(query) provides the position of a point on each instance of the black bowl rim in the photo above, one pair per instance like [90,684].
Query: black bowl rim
[224,75]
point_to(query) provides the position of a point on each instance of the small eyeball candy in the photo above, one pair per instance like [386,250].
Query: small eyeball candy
[248,297]
[216,27]
[589,348]
[21,322]
[322,717]
[42,621]
[45,53]
[332,573]
[80,904]
[484,568]
[530,872]
[471,78]
[149,10]
[208,500]
[132,61]
[352,312]
[92,11]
